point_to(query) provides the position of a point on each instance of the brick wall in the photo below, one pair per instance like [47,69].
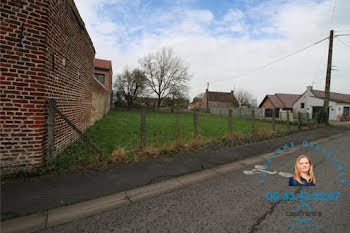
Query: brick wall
[218,104]
[267,104]
[100,101]
[45,52]
[70,61]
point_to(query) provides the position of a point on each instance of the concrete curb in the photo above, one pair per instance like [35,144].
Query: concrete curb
[65,214]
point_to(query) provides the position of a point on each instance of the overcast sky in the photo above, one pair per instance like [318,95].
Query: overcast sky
[225,41]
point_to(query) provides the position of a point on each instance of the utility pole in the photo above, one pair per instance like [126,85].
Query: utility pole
[328,78]
[208,97]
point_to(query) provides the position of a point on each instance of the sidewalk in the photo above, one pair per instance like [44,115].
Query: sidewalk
[21,198]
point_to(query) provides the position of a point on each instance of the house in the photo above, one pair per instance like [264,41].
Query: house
[45,55]
[311,102]
[195,106]
[103,73]
[213,99]
[278,102]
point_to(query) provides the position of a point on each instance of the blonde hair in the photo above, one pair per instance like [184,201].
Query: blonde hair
[311,170]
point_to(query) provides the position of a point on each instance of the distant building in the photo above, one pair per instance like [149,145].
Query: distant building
[311,102]
[195,106]
[278,102]
[213,99]
[103,72]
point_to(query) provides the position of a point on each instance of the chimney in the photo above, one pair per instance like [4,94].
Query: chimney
[309,88]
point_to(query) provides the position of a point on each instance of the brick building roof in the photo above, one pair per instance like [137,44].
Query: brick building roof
[105,64]
[220,96]
[280,100]
[288,99]
[336,97]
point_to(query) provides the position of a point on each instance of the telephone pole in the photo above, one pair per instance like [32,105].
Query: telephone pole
[207,97]
[328,79]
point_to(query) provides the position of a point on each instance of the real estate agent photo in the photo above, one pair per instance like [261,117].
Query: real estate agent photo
[304,173]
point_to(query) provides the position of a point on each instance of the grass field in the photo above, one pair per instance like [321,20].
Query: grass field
[119,131]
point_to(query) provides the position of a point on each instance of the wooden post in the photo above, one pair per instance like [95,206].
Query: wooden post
[253,122]
[177,131]
[195,122]
[288,126]
[325,113]
[307,119]
[143,128]
[230,122]
[299,120]
[50,153]
[273,120]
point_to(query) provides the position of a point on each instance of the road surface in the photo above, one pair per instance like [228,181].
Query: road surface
[237,202]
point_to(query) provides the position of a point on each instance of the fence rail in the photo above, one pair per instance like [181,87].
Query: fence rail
[238,112]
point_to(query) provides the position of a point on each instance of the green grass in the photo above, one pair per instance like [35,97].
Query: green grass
[120,129]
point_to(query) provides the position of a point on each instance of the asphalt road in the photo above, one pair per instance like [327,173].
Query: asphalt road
[236,202]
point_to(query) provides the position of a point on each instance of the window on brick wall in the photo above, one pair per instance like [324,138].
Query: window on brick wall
[100,77]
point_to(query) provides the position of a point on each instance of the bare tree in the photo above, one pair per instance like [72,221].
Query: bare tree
[243,97]
[165,73]
[130,85]
[178,94]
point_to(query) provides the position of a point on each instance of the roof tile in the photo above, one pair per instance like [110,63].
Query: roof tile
[107,64]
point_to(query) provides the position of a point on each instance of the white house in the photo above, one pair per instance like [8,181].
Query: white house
[311,102]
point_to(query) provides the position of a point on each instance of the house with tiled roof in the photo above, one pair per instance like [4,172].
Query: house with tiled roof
[195,106]
[278,102]
[103,73]
[214,99]
[311,102]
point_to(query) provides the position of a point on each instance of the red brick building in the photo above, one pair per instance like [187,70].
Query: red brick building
[213,99]
[46,52]
[102,99]
[103,72]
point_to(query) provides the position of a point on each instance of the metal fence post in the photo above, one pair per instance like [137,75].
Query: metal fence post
[143,128]
[230,122]
[288,126]
[195,122]
[299,120]
[50,153]
[253,122]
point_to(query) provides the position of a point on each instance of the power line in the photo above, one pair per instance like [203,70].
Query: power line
[275,61]
[280,59]
[342,35]
[330,26]
[343,42]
